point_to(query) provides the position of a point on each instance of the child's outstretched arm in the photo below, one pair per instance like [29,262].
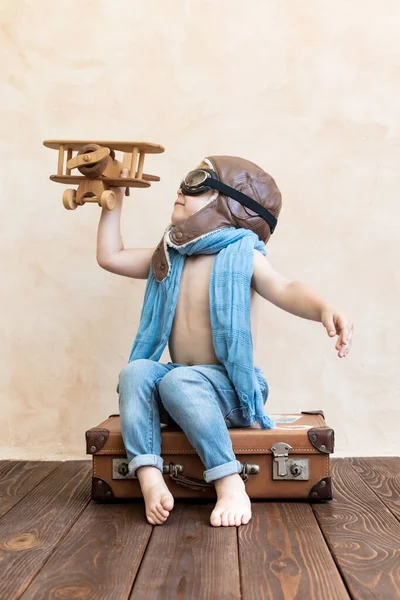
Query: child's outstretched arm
[111,254]
[295,297]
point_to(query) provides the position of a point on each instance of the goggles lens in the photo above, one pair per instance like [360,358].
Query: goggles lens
[195,178]
[195,182]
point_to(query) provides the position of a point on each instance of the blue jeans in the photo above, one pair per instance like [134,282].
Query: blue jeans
[199,399]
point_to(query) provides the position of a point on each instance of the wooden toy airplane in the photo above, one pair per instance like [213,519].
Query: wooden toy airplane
[100,169]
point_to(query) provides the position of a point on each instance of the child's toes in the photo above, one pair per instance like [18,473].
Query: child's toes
[245,519]
[231,519]
[224,519]
[215,518]
[150,520]
[161,511]
[238,519]
[167,502]
[160,520]
[155,516]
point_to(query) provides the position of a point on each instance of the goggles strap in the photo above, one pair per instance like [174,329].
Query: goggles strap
[243,199]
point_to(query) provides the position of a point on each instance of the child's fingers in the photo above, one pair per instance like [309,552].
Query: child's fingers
[345,341]
[329,324]
[342,327]
[124,172]
[342,342]
[341,346]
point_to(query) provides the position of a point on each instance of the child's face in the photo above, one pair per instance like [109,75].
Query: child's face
[186,206]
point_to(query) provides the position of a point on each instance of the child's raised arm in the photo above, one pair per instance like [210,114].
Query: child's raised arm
[111,254]
[295,297]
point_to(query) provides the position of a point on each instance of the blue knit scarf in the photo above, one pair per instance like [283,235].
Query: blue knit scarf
[230,292]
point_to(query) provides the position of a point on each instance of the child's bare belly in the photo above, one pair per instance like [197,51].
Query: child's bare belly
[190,341]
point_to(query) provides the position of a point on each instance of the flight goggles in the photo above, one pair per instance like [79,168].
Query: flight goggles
[200,181]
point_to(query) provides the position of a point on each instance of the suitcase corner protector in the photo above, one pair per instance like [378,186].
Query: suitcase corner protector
[101,491]
[322,438]
[95,439]
[322,490]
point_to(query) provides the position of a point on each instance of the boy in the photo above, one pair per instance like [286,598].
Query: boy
[202,278]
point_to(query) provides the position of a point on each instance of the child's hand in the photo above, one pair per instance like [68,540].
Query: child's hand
[337,324]
[119,191]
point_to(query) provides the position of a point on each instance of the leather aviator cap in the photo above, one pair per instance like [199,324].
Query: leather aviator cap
[242,175]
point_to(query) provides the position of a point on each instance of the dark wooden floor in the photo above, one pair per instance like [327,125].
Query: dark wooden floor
[56,543]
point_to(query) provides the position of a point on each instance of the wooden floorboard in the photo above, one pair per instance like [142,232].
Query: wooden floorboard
[98,558]
[55,543]
[284,555]
[362,534]
[382,475]
[18,478]
[188,558]
[32,529]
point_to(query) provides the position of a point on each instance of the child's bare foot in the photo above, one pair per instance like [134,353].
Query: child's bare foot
[233,506]
[157,497]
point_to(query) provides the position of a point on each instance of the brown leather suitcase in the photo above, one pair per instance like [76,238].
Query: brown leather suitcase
[290,461]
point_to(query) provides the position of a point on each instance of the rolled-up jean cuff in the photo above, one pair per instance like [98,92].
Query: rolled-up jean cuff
[222,471]
[145,460]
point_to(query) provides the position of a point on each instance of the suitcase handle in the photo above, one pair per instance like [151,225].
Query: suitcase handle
[174,471]
[191,482]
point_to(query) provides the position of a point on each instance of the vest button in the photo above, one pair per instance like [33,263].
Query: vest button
[179,235]
[162,267]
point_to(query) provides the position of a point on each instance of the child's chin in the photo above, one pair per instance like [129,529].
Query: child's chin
[176,220]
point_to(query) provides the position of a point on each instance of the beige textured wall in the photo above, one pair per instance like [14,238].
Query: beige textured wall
[308,89]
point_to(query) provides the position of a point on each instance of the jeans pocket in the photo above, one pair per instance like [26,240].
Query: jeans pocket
[235,418]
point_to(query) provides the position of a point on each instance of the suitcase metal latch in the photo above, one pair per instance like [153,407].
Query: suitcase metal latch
[284,467]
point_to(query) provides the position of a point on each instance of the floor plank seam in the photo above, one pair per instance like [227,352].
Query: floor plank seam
[332,553]
[240,570]
[377,496]
[141,561]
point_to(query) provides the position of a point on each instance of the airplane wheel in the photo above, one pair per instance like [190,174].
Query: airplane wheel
[108,200]
[69,199]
